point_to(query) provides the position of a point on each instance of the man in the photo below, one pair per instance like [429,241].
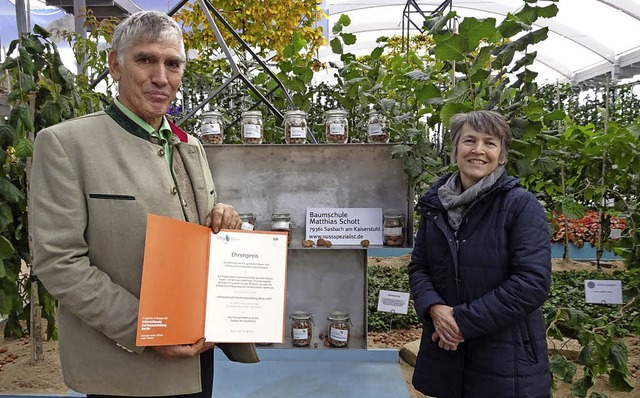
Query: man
[94,181]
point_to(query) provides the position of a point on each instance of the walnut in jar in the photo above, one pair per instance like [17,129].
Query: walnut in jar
[377,128]
[295,127]
[337,126]
[211,128]
[338,329]
[301,328]
[251,127]
[393,228]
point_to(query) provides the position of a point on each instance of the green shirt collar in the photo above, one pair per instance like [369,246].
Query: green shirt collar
[165,131]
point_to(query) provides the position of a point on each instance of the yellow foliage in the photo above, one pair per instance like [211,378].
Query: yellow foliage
[266,25]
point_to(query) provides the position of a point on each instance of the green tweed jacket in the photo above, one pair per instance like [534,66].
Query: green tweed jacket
[92,185]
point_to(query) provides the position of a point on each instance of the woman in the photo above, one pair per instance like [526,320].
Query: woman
[480,271]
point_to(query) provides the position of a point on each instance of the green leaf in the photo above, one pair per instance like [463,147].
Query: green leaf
[8,64]
[23,148]
[50,112]
[25,84]
[377,52]
[437,23]
[619,381]
[348,38]
[6,248]
[336,46]
[37,29]
[25,61]
[6,216]
[451,47]
[474,30]
[548,11]
[451,108]
[459,94]
[288,51]
[618,357]
[417,75]
[511,26]
[427,92]
[7,135]
[10,192]
[66,75]
[581,387]
[298,42]
[562,368]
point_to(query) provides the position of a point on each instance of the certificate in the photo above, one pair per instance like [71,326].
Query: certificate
[246,299]
[228,287]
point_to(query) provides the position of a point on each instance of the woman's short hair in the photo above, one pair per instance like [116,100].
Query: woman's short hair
[145,27]
[488,122]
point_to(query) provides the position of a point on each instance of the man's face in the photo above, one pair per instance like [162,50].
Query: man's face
[149,78]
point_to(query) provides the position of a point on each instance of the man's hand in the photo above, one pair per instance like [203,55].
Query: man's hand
[447,333]
[222,216]
[183,350]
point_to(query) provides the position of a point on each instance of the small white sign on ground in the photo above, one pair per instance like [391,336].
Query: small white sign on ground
[603,291]
[391,301]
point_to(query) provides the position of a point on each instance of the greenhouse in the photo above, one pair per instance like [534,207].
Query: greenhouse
[320,198]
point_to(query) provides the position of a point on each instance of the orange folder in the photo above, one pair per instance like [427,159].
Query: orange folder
[175,278]
[174,282]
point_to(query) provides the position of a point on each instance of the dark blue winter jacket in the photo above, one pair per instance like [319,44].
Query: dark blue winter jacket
[496,274]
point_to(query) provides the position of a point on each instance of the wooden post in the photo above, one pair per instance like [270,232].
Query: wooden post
[36,343]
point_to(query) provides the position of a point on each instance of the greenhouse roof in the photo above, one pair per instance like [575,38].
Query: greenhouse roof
[588,39]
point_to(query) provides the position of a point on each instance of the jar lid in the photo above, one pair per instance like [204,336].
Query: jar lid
[300,315]
[295,112]
[338,316]
[246,215]
[392,213]
[212,113]
[279,216]
[336,112]
[252,113]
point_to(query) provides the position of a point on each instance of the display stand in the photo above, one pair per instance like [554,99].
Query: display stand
[267,179]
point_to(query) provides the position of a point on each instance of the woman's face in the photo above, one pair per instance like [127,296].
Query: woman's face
[478,155]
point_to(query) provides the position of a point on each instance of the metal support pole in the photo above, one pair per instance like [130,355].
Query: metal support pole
[79,11]
[21,18]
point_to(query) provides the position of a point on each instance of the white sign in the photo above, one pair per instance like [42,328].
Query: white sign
[396,302]
[603,291]
[345,226]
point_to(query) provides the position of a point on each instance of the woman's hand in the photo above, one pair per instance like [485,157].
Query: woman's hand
[447,333]
[222,216]
[183,350]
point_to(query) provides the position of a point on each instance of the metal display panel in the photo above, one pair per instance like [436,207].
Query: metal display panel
[267,179]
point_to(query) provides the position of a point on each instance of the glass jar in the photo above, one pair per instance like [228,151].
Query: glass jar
[282,222]
[377,128]
[251,127]
[301,328]
[248,221]
[295,127]
[337,126]
[338,328]
[393,228]
[211,128]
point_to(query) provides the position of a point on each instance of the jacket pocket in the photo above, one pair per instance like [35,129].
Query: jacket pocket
[528,344]
[111,196]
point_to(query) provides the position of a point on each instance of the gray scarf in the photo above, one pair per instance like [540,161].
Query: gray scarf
[456,202]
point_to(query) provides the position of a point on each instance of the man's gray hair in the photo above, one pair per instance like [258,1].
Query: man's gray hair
[488,122]
[145,27]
